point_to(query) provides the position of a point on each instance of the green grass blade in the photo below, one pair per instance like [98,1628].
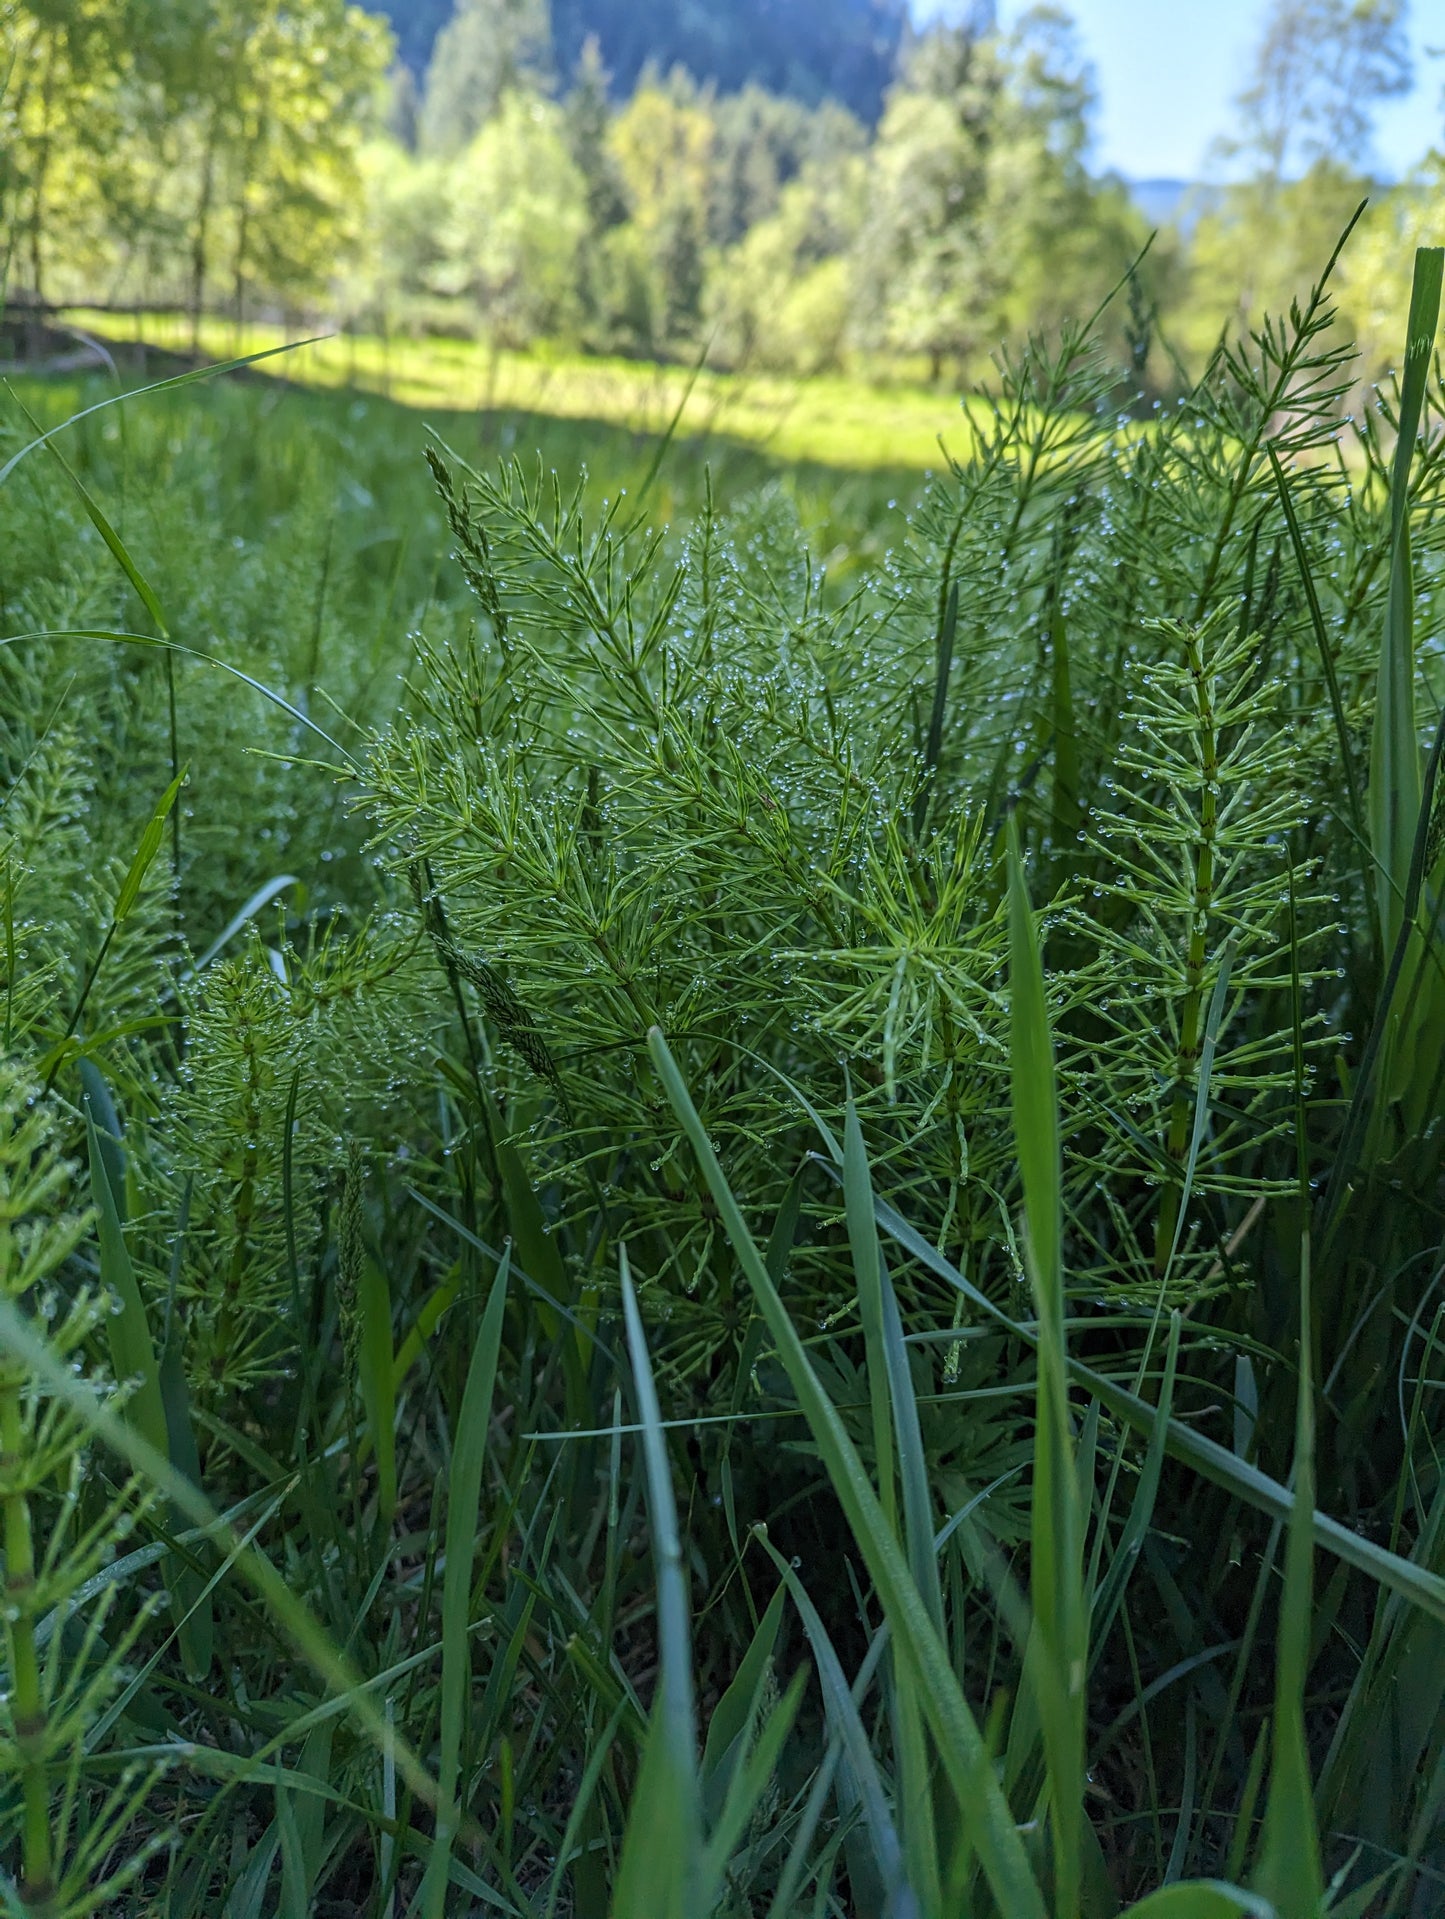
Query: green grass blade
[751,1780]
[1289,1869]
[662,1867]
[933,744]
[156,386]
[290,1613]
[846,1726]
[1067,811]
[118,549]
[132,1350]
[961,1747]
[146,850]
[1057,1587]
[1204,1899]
[1204,1456]
[1394,787]
[1111,1591]
[464,1492]
[863,1243]
[1358,825]
[727,1729]
[377,1367]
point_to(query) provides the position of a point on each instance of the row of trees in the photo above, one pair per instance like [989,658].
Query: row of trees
[249,154]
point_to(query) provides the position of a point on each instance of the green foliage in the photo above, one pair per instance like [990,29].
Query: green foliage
[998,1293]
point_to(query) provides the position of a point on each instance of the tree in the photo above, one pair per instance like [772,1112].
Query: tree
[488,49]
[1320,69]
[663,143]
[517,217]
[984,222]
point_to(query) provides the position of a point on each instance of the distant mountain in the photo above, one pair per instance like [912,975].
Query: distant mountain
[807,48]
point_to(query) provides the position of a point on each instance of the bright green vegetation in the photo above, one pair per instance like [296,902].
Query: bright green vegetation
[730,1206]
[893,209]
[830,421]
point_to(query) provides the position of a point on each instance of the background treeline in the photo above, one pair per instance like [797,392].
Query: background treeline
[899,201]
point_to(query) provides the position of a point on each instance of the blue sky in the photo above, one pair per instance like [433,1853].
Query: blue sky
[1169,69]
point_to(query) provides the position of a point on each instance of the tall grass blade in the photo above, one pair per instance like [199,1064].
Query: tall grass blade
[662,1870]
[963,1753]
[1056,1583]
[1394,789]
[900,1901]
[1212,1461]
[464,1491]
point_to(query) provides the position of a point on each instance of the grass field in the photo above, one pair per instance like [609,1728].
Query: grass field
[721,1181]
[833,422]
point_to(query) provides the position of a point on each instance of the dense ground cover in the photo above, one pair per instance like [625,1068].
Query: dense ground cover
[745,1369]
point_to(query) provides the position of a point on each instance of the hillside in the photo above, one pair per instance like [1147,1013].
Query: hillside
[807,48]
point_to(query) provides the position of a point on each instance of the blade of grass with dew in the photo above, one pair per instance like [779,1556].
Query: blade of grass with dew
[961,1747]
[846,1726]
[1056,1579]
[464,1494]
[662,1868]
[1394,785]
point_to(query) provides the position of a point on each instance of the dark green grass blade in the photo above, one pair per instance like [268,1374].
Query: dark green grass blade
[1056,1582]
[1214,1462]
[1358,825]
[933,743]
[290,1613]
[1394,789]
[847,1728]
[727,1728]
[867,1271]
[464,1492]
[132,1350]
[1289,1870]
[662,1869]
[961,1747]
[1067,814]
[377,1366]
[1204,1899]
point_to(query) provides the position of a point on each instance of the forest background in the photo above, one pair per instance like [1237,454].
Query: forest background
[817,188]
